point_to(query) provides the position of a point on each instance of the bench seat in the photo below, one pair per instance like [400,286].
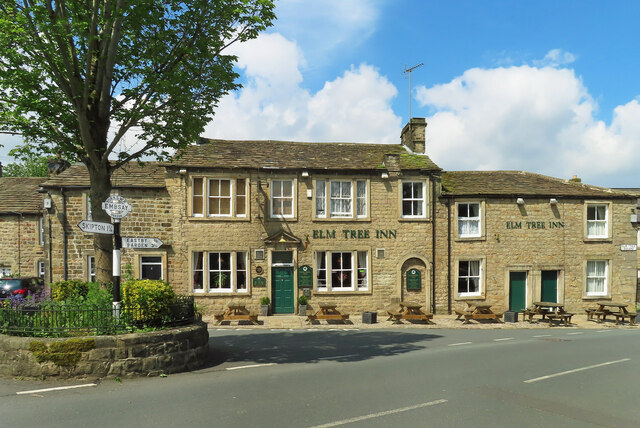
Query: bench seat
[564,317]
[622,316]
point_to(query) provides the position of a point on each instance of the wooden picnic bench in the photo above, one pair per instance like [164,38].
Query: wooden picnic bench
[549,310]
[620,312]
[236,312]
[327,311]
[477,311]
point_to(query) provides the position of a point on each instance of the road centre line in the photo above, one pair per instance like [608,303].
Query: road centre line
[250,366]
[575,332]
[338,356]
[576,370]
[542,335]
[379,414]
[461,343]
[57,388]
[504,338]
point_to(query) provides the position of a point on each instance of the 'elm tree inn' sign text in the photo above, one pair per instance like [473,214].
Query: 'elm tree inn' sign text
[537,225]
[354,234]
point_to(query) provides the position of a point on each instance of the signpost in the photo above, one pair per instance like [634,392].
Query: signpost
[96,227]
[117,207]
[128,242]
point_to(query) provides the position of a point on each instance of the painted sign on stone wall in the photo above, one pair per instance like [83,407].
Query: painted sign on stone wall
[414,279]
[305,276]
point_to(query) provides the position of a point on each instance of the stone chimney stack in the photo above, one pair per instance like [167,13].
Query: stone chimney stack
[413,135]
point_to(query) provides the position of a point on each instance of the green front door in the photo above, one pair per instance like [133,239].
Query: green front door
[517,291]
[549,292]
[282,283]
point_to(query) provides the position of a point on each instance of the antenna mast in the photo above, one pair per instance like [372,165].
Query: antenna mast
[409,70]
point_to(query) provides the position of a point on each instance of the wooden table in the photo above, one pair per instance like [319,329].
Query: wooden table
[412,311]
[236,312]
[327,311]
[478,311]
[620,312]
[549,310]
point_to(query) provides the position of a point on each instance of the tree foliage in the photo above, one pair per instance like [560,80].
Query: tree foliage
[31,165]
[77,76]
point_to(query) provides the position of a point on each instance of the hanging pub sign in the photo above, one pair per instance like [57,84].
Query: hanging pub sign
[305,277]
[259,281]
[414,279]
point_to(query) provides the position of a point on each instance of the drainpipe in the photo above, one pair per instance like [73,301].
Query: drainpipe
[64,235]
[50,251]
[433,244]
[449,255]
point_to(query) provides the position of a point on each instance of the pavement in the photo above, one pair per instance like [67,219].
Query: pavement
[439,321]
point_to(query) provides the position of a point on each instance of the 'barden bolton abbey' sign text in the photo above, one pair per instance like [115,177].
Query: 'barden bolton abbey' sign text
[354,234]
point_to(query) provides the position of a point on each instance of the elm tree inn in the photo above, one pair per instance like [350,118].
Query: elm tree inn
[358,225]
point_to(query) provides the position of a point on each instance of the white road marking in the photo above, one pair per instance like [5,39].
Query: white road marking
[251,366]
[461,343]
[603,331]
[377,415]
[338,356]
[58,388]
[576,370]
[576,332]
[504,338]
[543,335]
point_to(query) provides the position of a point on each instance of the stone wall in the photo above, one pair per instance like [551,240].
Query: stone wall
[20,244]
[138,354]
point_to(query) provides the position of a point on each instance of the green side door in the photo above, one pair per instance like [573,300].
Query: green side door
[282,283]
[517,291]
[549,292]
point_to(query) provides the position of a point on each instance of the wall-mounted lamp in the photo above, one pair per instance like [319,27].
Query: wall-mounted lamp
[182,171]
[305,173]
[309,193]
[553,201]
[384,175]
[520,201]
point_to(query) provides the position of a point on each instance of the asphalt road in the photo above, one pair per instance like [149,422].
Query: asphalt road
[357,378]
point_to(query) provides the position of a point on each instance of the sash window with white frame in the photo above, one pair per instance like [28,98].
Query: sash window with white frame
[469,277]
[219,272]
[218,197]
[413,199]
[597,221]
[151,267]
[341,200]
[282,198]
[342,270]
[597,271]
[469,220]
[41,269]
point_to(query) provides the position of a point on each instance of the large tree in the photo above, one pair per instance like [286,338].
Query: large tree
[77,76]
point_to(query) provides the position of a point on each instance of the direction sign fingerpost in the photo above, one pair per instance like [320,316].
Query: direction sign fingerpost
[117,207]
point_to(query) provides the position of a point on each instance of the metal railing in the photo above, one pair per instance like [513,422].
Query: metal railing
[64,320]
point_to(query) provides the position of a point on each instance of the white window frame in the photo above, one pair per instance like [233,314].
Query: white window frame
[604,279]
[596,220]
[462,220]
[469,276]
[329,269]
[280,200]
[234,259]
[142,262]
[91,268]
[411,199]
[41,230]
[322,207]
[203,191]
[41,269]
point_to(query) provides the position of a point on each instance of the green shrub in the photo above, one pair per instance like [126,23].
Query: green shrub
[302,300]
[265,301]
[153,297]
[64,290]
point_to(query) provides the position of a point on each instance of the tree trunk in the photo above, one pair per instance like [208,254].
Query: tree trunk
[100,179]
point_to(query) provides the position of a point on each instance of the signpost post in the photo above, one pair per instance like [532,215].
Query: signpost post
[116,207]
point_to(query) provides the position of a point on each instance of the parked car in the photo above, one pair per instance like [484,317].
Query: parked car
[10,287]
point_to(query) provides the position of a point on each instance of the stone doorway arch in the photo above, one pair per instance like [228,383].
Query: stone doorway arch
[417,268]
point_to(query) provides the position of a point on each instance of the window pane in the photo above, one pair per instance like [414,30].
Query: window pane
[241,270]
[241,205]
[406,190]
[150,267]
[287,189]
[225,187]
[225,206]
[214,187]
[320,198]
[198,272]
[361,193]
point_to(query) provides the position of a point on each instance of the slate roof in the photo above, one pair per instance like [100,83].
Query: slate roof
[131,175]
[269,154]
[20,194]
[521,184]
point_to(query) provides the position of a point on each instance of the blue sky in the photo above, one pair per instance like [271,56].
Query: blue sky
[546,86]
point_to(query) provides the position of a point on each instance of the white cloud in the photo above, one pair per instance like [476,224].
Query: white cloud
[536,119]
[555,58]
[273,104]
